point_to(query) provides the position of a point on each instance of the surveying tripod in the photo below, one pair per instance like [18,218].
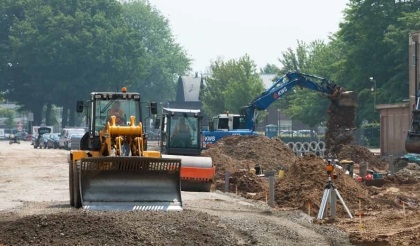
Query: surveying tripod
[330,194]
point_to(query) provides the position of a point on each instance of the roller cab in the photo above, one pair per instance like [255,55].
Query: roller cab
[181,137]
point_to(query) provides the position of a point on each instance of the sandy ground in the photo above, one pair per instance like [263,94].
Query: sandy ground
[34,210]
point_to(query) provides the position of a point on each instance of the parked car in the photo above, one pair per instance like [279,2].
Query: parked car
[43,140]
[37,139]
[152,136]
[21,135]
[33,137]
[53,141]
[74,141]
[288,133]
[306,133]
[65,136]
[7,132]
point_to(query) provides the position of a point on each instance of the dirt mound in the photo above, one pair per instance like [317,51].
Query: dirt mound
[115,228]
[360,154]
[306,180]
[409,175]
[233,153]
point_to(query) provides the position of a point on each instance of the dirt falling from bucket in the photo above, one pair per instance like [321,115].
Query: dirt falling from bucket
[340,127]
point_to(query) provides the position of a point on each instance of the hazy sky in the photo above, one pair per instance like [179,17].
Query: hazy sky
[263,29]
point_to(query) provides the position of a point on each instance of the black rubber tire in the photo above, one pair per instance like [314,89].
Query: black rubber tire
[71,184]
[76,187]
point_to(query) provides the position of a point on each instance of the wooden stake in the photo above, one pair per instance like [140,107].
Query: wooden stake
[309,208]
[403,203]
[360,215]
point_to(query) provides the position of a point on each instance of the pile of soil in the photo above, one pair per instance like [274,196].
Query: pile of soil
[360,154]
[408,175]
[115,228]
[237,153]
[305,177]
[306,181]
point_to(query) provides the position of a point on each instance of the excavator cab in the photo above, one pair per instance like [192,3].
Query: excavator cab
[112,170]
[412,140]
[181,137]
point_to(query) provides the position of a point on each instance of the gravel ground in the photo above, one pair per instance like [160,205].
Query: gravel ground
[35,211]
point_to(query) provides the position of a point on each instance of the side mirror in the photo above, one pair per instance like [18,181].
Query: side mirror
[153,107]
[79,106]
[157,123]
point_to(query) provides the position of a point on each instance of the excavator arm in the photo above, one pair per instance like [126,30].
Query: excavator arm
[284,84]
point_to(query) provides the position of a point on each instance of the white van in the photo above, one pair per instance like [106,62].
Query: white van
[63,142]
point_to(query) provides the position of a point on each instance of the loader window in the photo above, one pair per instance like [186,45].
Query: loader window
[104,109]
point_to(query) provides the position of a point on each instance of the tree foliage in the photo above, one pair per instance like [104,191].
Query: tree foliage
[315,58]
[232,85]
[372,42]
[164,58]
[60,51]
[374,36]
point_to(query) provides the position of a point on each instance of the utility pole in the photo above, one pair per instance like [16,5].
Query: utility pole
[373,89]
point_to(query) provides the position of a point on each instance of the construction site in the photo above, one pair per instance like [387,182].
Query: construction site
[382,210]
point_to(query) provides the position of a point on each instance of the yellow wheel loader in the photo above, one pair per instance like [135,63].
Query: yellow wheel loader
[181,137]
[112,170]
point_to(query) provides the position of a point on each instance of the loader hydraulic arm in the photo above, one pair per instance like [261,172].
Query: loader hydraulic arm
[283,85]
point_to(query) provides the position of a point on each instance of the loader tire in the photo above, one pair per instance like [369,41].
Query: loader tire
[76,187]
[71,184]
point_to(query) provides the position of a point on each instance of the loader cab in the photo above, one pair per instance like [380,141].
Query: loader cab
[181,132]
[99,110]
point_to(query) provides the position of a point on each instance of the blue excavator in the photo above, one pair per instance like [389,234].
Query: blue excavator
[244,123]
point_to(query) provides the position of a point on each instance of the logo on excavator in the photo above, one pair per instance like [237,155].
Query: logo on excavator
[281,92]
[210,138]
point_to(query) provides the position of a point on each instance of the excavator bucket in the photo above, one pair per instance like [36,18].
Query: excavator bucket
[347,98]
[197,172]
[130,183]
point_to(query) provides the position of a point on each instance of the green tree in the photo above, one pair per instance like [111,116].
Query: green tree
[269,69]
[232,85]
[374,37]
[58,49]
[315,58]
[163,57]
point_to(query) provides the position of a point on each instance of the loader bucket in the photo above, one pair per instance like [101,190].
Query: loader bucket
[130,183]
[347,98]
[197,172]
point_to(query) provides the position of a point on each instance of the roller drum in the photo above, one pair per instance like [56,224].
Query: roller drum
[197,172]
